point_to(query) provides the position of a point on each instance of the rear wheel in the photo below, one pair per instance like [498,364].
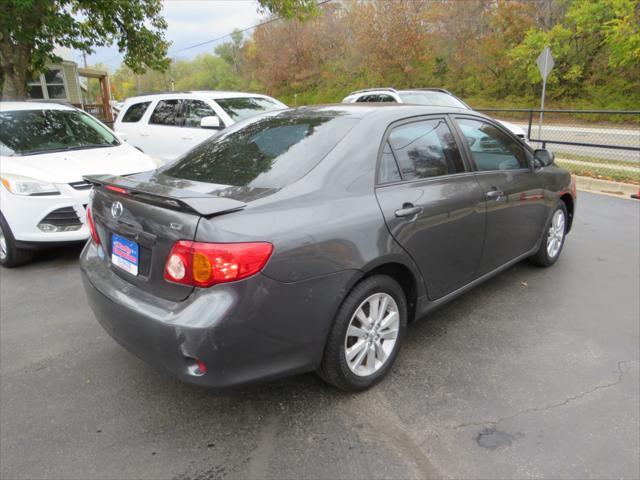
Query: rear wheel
[10,255]
[366,335]
[553,237]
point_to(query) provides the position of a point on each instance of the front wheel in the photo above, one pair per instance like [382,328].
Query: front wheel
[10,255]
[553,237]
[366,335]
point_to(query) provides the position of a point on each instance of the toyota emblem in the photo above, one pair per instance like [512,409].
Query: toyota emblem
[116,209]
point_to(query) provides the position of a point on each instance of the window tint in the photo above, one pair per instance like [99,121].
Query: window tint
[37,131]
[166,113]
[241,108]
[268,152]
[196,110]
[388,170]
[135,112]
[491,148]
[425,149]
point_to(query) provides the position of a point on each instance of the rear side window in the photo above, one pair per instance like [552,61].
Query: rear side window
[425,149]
[491,148]
[388,170]
[377,97]
[269,152]
[135,112]
[166,113]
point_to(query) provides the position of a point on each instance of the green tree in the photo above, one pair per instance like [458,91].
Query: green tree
[231,52]
[31,29]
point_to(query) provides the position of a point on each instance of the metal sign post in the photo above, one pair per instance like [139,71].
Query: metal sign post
[545,64]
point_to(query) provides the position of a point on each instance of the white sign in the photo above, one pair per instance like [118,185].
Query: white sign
[545,62]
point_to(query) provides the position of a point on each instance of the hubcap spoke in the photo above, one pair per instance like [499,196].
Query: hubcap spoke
[380,353]
[357,347]
[388,320]
[390,334]
[354,331]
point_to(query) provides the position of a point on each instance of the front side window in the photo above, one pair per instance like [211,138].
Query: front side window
[135,112]
[268,152]
[167,112]
[425,149]
[41,131]
[196,110]
[241,108]
[491,148]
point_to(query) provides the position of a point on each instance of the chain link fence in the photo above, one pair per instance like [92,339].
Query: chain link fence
[601,144]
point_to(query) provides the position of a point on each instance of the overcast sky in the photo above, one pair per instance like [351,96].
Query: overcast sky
[191,22]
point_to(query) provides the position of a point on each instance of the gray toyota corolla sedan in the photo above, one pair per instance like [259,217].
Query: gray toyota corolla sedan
[306,239]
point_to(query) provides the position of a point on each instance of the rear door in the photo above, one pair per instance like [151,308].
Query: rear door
[432,202]
[161,135]
[149,230]
[513,193]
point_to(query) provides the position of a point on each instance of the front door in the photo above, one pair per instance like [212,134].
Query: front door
[432,203]
[514,194]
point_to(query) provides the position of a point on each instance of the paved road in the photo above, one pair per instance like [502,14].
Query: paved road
[534,374]
[626,137]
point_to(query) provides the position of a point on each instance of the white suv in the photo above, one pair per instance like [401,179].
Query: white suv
[45,150]
[421,96]
[170,124]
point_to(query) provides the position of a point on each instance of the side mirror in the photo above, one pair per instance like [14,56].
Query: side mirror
[543,157]
[122,136]
[210,122]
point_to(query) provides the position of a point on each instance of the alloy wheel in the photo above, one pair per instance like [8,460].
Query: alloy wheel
[556,234]
[3,245]
[372,334]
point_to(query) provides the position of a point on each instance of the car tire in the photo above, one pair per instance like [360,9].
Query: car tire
[10,255]
[357,329]
[555,232]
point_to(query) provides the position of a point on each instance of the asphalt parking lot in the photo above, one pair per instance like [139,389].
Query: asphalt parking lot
[533,374]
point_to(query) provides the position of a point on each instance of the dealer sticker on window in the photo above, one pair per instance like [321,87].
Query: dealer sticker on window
[124,254]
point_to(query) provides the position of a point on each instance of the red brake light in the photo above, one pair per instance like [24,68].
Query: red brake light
[116,189]
[204,264]
[92,227]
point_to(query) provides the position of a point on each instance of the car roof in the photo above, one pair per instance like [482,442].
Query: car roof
[13,106]
[361,110]
[213,94]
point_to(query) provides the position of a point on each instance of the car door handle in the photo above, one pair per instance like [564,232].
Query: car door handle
[187,138]
[144,134]
[495,194]
[408,210]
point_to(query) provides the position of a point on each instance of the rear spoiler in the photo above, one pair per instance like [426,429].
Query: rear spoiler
[169,197]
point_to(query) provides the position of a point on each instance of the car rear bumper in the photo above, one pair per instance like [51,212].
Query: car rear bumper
[255,329]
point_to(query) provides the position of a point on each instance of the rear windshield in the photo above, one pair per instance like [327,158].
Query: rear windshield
[268,152]
[241,108]
[25,132]
[435,99]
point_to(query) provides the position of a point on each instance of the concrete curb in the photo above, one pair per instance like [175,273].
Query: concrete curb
[616,189]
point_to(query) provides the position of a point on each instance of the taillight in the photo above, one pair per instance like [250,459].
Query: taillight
[116,189]
[204,264]
[92,227]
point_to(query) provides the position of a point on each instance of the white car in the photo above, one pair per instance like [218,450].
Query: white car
[169,124]
[421,96]
[45,149]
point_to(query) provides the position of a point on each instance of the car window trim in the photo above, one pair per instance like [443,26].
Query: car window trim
[500,127]
[414,119]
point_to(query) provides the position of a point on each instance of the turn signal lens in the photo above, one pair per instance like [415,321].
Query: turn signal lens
[204,264]
[92,227]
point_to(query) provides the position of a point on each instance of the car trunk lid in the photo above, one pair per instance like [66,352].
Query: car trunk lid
[153,216]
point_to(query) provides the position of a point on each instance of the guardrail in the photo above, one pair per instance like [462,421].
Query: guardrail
[596,143]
